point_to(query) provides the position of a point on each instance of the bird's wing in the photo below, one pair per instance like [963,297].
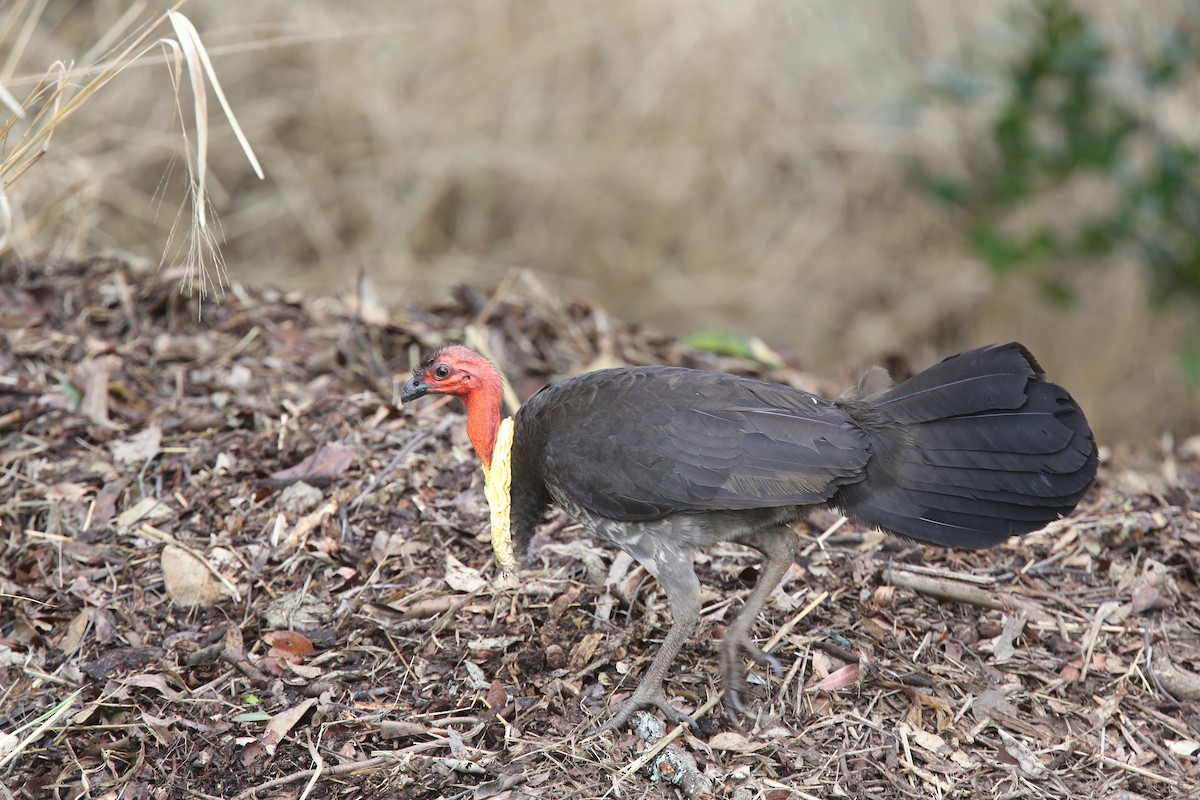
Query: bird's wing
[636,444]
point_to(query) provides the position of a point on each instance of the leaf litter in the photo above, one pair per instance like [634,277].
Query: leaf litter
[232,566]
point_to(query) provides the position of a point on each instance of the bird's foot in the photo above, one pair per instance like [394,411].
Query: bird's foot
[733,650]
[647,695]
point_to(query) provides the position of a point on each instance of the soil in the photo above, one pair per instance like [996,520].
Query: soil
[233,566]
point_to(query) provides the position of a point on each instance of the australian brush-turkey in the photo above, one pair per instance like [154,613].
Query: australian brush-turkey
[662,461]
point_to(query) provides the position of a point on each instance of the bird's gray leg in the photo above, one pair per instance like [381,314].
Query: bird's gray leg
[778,546]
[678,578]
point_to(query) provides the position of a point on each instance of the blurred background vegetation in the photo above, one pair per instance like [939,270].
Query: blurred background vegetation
[845,180]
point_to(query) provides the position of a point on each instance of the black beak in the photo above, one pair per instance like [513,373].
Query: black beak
[413,389]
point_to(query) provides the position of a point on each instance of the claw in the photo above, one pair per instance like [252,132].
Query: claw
[763,658]
[733,650]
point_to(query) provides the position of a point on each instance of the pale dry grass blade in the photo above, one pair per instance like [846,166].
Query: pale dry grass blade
[189,37]
[11,103]
[57,95]
[19,41]
[202,241]
[6,218]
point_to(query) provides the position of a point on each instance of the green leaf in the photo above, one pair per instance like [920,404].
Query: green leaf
[731,344]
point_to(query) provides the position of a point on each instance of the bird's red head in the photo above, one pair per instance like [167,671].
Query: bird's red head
[462,372]
[455,370]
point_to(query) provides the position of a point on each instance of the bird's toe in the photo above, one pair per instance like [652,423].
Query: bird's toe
[733,654]
[653,697]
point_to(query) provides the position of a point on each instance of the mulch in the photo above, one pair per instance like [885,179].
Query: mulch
[232,566]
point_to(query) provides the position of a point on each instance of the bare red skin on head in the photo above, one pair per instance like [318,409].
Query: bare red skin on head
[473,378]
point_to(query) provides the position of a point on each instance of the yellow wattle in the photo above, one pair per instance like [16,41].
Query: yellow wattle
[497,480]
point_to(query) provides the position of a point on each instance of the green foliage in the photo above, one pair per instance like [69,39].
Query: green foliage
[724,343]
[1062,134]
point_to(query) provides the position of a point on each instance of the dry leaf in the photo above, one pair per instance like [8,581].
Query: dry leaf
[305,525]
[1181,683]
[139,448]
[160,727]
[73,637]
[584,649]
[189,582]
[288,645]
[496,697]
[734,742]
[1021,755]
[282,723]
[462,578]
[1004,647]
[67,492]
[145,510]
[1183,747]
[477,678]
[928,741]
[322,466]
[839,679]
[152,681]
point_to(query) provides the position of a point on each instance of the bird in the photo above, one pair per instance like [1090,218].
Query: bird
[663,461]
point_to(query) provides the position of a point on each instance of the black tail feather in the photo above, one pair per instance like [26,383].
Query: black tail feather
[971,451]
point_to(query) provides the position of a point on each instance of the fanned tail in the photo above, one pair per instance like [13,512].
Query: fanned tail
[971,451]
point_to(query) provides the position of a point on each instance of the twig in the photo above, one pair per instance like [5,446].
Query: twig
[1145,773]
[794,621]
[948,587]
[1089,641]
[832,529]
[316,773]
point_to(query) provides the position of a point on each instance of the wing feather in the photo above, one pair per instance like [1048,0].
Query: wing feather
[636,444]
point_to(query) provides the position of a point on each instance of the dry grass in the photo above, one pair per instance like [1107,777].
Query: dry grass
[695,165]
[40,104]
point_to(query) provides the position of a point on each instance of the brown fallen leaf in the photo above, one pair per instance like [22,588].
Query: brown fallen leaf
[734,742]
[67,492]
[148,509]
[107,498]
[188,580]
[325,464]
[139,448]
[288,645]
[1182,684]
[839,679]
[462,578]
[282,723]
[73,637]
[496,696]
[151,680]
[584,649]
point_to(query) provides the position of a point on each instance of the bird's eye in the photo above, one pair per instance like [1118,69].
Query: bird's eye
[441,372]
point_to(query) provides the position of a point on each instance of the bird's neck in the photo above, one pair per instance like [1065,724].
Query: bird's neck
[483,420]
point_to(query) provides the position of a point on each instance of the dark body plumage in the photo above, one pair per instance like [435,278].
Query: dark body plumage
[966,454]
[662,461]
